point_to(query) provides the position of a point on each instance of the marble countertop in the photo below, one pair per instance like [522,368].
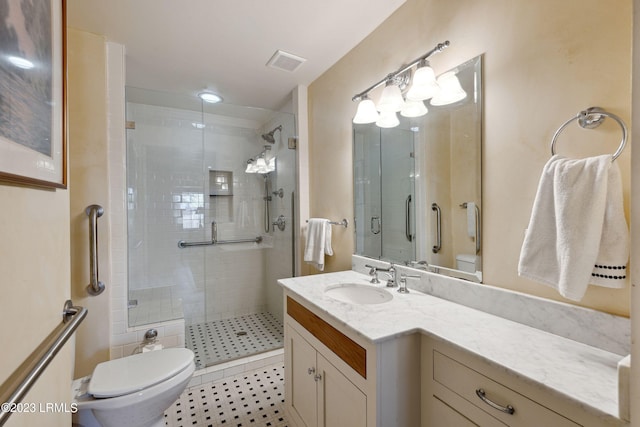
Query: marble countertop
[582,374]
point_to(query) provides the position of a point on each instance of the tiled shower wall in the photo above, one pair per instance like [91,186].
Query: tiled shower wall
[168,200]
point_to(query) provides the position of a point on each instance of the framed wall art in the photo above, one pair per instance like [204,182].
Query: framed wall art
[32,93]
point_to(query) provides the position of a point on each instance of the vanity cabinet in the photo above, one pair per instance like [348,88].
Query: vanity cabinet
[459,390]
[321,395]
[336,378]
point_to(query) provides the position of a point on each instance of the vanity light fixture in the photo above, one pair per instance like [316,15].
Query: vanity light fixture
[210,97]
[391,101]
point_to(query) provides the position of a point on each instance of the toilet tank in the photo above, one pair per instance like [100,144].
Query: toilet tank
[466,262]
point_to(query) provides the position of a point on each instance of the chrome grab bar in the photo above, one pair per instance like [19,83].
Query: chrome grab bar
[13,390]
[214,239]
[436,248]
[95,286]
[407,219]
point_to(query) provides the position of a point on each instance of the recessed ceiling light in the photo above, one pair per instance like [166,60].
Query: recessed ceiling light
[210,97]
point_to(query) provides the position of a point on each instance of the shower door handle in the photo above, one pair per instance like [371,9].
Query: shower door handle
[407,221]
[436,248]
[375,220]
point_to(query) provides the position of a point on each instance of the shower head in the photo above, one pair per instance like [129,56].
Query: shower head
[269,136]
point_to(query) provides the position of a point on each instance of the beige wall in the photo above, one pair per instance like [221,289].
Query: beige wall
[543,62]
[88,177]
[34,267]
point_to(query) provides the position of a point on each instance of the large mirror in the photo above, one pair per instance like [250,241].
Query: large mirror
[418,186]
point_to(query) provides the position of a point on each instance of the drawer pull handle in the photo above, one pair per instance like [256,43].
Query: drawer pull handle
[317,377]
[311,371]
[483,396]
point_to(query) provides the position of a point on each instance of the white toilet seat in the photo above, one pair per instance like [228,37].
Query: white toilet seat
[127,375]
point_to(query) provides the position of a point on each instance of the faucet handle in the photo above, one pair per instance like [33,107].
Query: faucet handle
[403,282]
[373,272]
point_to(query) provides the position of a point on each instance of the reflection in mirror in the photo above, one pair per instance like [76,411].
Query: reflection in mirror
[417,186]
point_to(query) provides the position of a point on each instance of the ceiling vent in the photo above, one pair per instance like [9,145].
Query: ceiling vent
[285,61]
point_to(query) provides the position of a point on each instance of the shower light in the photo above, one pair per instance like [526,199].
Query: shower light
[424,85]
[210,97]
[450,90]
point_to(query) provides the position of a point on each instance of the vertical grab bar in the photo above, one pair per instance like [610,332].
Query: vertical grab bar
[95,286]
[407,218]
[436,248]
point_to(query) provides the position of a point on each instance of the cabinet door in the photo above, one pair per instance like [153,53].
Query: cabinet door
[303,396]
[340,402]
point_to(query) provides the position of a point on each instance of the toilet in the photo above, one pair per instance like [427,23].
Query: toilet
[133,391]
[466,262]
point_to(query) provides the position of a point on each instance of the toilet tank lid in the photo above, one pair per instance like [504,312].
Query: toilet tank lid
[133,373]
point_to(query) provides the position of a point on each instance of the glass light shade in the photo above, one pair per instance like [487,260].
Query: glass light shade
[261,163]
[414,109]
[388,119]
[450,90]
[366,112]
[391,99]
[423,85]
[251,168]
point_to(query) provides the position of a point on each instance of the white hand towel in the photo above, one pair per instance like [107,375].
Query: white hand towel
[471,219]
[318,242]
[567,230]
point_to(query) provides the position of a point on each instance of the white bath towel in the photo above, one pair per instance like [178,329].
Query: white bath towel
[318,242]
[576,223]
[471,219]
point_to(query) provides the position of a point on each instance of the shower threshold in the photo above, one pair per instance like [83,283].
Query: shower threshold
[224,340]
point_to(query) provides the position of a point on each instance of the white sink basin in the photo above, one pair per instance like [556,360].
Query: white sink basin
[356,293]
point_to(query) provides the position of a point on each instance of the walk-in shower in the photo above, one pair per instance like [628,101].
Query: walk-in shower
[188,181]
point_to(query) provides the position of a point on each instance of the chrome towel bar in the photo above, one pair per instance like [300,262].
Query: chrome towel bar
[591,118]
[344,222]
[13,390]
[95,286]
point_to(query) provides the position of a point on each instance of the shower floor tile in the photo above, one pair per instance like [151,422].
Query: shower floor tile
[254,398]
[228,339]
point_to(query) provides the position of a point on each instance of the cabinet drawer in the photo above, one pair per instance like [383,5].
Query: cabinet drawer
[468,384]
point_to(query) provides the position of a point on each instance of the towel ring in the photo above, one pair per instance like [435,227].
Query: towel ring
[591,118]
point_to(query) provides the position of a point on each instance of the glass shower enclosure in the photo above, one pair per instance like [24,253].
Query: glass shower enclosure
[211,193]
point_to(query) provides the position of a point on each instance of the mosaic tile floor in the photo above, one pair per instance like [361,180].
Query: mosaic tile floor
[254,398]
[228,339]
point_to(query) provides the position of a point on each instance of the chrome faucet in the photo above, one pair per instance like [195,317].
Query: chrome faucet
[403,282]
